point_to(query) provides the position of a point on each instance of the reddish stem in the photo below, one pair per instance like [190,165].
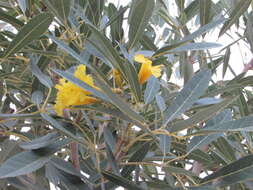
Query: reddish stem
[74,155]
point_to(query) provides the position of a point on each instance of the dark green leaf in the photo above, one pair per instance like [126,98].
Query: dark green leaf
[243,124]
[226,62]
[11,20]
[238,10]
[60,9]
[141,12]
[165,143]
[27,162]
[44,79]
[152,88]
[205,9]
[199,141]
[60,127]
[40,142]
[29,32]
[121,181]
[202,115]
[188,95]
[138,156]
[235,172]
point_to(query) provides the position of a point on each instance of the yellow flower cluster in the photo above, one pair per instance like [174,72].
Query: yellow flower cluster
[147,70]
[70,94]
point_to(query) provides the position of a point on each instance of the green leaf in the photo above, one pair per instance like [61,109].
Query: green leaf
[238,171]
[202,115]
[109,139]
[76,56]
[243,124]
[194,47]
[64,166]
[11,20]
[121,181]
[165,143]
[202,30]
[141,11]
[205,11]
[113,112]
[188,95]
[103,45]
[160,102]
[43,78]
[27,162]
[111,159]
[60,9]
[29,32]
[59,126]
[121,104]
[238,10]
[137,156]
[132,78]
[226,62]
[37,97]
[152,88]
[13,115]
[40,142]
[199,141]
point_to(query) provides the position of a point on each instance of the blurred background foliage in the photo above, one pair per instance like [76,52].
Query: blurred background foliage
[190,128]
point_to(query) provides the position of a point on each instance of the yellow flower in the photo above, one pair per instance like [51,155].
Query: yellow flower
[117,77]
[146,68]
[70,94]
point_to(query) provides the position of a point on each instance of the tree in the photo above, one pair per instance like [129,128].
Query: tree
[89,98]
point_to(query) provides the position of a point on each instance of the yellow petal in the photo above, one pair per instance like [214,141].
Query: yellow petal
[145,72]
[117,77]
[141,59]
[156,71]
[69,94]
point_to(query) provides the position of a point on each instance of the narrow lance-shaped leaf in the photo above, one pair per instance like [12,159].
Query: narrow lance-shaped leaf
[123,182]
[188,95]
[29,32]
[165,143]
[43,78]
[27,162]
[243,124]
[235,172]
[151,90]
[11,20]
[140,14]
[205,11]
[199,141]
[238,10]
[226,62]
[202,30]
[40,142]
[119,103]
[195,47]
[60,9]
[137,156]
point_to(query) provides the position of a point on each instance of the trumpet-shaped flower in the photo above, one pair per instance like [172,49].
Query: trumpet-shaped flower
[146,68]
[70,94]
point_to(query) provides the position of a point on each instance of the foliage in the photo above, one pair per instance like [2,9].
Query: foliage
[89,99]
